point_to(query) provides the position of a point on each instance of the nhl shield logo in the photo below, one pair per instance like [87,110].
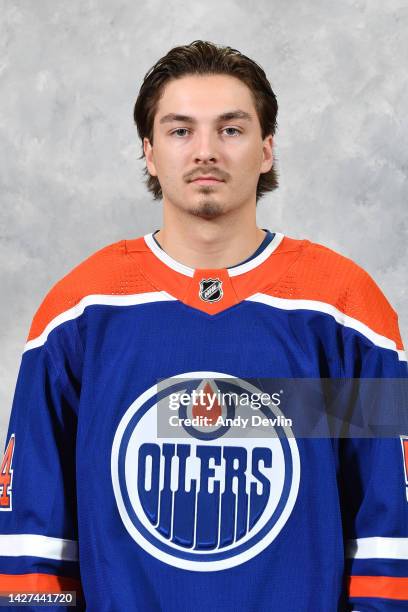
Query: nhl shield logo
[211,290]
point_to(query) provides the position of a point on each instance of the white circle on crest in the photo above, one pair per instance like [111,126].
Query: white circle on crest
[147,432]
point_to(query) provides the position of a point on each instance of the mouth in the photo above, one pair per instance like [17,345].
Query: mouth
[207,181]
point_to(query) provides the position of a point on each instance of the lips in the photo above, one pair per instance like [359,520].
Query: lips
[207,179]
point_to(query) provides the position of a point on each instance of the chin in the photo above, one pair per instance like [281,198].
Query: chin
[207,210]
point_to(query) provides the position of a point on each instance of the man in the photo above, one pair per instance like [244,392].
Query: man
[94,497]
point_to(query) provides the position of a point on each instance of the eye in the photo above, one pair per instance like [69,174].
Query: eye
[179,130]
[235,130]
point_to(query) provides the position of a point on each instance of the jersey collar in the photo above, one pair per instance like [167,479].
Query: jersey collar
[235,271]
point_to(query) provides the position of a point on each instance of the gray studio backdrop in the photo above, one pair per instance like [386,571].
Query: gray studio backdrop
[70,178]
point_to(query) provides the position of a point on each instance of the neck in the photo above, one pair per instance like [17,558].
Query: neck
[209,243]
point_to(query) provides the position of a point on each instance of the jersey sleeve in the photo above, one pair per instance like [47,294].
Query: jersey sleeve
[373,470]
[38,524]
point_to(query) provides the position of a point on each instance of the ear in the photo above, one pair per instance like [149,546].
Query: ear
[148,151]
[267,150]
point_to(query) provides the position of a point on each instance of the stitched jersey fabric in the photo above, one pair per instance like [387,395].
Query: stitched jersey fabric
[94,499]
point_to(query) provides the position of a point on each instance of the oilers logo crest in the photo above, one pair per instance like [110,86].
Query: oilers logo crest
[205,500]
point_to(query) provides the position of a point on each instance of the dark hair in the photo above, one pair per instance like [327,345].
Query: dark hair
[203,57]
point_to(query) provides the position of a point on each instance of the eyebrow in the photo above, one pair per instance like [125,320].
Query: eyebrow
[235,114]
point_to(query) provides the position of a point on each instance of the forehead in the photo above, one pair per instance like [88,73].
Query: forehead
[204,96]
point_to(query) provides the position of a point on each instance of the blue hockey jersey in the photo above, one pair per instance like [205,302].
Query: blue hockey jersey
[94,499]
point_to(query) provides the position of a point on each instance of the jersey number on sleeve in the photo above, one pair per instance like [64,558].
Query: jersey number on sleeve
[6,476]
[404,444]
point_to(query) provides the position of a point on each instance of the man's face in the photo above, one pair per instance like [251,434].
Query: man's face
[192,138]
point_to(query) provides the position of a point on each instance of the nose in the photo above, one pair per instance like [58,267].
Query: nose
[206,148]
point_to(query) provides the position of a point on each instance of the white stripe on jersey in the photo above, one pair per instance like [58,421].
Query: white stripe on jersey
[162,296]
[340,317]
[34,545]
[378,548]
[91,300]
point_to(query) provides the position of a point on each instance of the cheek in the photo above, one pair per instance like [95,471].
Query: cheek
[248,154]
[170,170]
[248,162]
[164,163]
[256,155]
[171,158]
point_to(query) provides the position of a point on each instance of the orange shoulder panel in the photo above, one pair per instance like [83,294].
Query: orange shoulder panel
[323,275]
[108,271]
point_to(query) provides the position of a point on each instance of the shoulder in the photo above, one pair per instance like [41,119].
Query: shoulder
[108,271]
[325,279]
[348,281]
